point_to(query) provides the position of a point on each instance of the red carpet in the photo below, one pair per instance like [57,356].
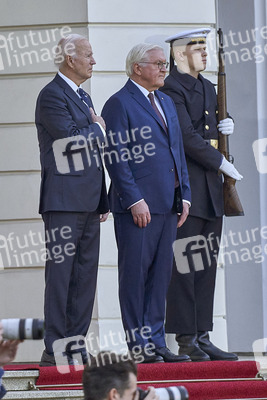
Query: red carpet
[149,374]
[194,370]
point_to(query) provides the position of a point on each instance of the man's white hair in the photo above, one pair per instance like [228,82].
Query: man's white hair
[138,54]
[67,47]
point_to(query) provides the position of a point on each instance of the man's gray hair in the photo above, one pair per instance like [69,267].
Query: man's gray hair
[66,47]
[138,54]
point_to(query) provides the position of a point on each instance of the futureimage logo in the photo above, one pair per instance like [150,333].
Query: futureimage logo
[76,153]
[260,154]
[20,50]
[28,249]
[241,46]
[72,154]
[191,254]
[70,351]
[77,350]
[195,253]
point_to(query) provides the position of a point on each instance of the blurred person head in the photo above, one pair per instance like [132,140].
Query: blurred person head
[109,377]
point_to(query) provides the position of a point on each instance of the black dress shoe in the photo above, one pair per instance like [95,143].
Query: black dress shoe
[169,357]
[214,352]
[152,358]
[188,345]
[146,356]
[47,360]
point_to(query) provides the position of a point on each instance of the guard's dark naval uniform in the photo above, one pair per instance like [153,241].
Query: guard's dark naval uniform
[190,296]
[191,292]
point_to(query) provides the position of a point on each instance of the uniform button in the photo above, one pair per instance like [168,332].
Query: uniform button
[206,112]
[207,127]
[217,112]
[171,170]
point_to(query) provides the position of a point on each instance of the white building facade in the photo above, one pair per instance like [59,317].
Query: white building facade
[29,32]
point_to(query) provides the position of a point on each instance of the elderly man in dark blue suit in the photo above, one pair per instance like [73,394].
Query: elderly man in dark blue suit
[73,196]
[149,186]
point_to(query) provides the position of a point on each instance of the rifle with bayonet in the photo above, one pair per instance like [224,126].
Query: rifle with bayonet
[232,204]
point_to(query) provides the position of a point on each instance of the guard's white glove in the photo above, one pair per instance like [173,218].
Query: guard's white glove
[228,169]
[226,126]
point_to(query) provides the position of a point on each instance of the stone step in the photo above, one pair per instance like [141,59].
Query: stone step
[22,385]
[20,380]
[45,395]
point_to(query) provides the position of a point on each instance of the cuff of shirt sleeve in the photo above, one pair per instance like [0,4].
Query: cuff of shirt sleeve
[188,202]
[134,204]
[102,129]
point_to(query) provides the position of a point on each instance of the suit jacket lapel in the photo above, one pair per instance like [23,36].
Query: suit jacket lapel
[140,98]
[70,93]
[74,97]
[165,109]
[162,104]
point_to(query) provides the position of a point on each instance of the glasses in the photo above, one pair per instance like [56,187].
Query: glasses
[159,64]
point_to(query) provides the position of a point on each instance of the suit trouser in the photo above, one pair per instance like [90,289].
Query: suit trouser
[70,280]
[191,292]
[145,258]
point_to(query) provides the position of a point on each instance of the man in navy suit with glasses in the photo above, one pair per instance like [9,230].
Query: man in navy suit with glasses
[149,186]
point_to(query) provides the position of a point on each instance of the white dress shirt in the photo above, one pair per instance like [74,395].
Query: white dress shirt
[75,88]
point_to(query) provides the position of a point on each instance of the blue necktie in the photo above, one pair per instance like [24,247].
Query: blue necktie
[83,95]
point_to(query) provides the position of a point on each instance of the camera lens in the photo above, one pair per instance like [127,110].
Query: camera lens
[167,393]
[172,393]
[20,328]
[37,329]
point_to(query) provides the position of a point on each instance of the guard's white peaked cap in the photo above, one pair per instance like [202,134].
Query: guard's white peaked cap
[190,34]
